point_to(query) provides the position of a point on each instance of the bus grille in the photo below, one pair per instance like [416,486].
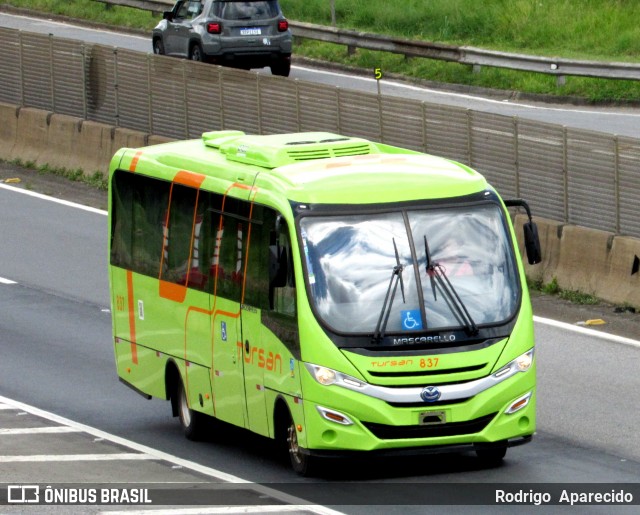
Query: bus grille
[385,432]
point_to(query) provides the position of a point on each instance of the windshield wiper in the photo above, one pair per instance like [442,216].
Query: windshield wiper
[396,274]
[437,275]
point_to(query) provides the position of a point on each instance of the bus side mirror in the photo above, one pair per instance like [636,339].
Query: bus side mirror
[532,243]
[530,229]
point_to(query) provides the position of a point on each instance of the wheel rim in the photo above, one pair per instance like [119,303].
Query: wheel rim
[156,48]
[292,440]
[196,56]
[185,412]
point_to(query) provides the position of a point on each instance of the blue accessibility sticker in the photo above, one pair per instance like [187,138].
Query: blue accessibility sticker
[411,319]
[223,331]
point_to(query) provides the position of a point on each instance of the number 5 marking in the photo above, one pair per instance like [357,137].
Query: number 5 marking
[377,73]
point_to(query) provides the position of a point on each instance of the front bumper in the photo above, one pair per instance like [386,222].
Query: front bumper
[381,427]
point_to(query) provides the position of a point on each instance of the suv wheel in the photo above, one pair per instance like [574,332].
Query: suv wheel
[196,53]
[282,67]
[158,47]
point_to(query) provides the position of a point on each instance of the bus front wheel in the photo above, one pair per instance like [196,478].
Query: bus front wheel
[491,455]
[302,463]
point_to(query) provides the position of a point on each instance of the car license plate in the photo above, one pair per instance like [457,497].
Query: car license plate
[251,31]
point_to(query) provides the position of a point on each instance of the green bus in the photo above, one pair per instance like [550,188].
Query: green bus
[338,295]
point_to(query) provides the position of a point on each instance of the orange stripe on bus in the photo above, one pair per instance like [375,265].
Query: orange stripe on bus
[134,161]
[189,178]
[132,318]
[238,185]
[172,291]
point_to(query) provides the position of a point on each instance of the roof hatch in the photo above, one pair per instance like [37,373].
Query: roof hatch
[283,149]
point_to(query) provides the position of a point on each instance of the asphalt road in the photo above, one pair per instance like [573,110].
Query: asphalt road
[55,339]
[616,120]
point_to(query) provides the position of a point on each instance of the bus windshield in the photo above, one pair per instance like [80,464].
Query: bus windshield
[352,261]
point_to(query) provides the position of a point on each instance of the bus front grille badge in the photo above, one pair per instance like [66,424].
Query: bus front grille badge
[430,394]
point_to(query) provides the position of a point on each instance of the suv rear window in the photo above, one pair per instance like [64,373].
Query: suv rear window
[258,10]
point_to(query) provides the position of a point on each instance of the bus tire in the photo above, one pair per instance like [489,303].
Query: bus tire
[302,463]
[192,422]
[491,455]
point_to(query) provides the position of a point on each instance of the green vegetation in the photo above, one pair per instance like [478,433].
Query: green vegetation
[96,180]
[91,10]
[573,296]
[577,29]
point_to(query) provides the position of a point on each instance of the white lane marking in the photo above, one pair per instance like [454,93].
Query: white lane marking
[219,510]
[465,96]
[53,199]
[76,457]
[37,430]
[159,455]
[7,407]
[47,21]
[6,281]
[587,332]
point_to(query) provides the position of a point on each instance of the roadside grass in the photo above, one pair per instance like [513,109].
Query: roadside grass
[97,179]
[578,29]
[118,16]
[573,296]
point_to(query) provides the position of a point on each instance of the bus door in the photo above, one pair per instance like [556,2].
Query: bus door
[268,291]
[179,318]
[231,237]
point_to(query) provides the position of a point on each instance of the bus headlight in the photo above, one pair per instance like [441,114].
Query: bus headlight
[326,376]
[521,364]
[524,361]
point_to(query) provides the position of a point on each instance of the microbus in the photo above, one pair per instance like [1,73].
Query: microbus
[338,295]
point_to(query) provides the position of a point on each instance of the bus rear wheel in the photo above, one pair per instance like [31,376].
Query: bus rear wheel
[192,422]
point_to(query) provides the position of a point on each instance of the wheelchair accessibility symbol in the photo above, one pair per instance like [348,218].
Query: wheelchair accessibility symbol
[411,319]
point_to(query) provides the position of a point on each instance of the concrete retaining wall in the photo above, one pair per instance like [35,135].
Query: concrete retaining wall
[581,259]
[61,141]
[586,260]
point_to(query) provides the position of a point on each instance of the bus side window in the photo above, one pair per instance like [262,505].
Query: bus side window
[233,235]
[270,282]
[179,227]
[282,291]
[138,206]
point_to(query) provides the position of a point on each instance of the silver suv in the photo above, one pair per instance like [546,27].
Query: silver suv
[246,35]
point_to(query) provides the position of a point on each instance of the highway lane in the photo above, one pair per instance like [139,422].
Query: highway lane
[55,338]
[621,121]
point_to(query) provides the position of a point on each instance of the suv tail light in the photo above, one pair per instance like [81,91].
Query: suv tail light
[214,28]
[283,25]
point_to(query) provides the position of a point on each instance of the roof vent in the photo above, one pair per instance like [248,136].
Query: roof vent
[282,149]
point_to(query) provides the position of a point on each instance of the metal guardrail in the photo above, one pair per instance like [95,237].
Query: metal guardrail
[476,57]
[569,175]
[156,6]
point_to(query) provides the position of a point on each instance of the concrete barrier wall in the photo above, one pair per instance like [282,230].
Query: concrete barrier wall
[61,141]
[581,259]
[586,260]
